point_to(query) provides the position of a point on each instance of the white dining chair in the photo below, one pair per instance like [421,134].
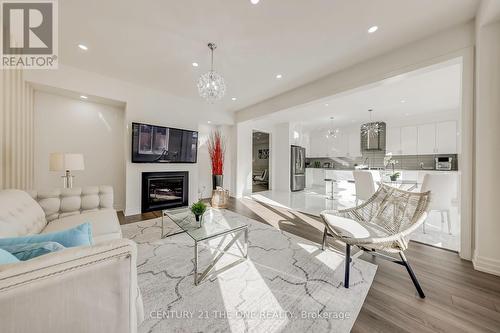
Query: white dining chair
[443,189]
[364,184]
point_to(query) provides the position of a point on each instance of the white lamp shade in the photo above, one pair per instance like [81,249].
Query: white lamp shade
[64,161]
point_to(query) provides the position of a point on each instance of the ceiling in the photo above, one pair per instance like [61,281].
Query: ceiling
[153,43]
[429,93]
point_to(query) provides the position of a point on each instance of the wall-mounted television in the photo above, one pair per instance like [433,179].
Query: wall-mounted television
[158,144]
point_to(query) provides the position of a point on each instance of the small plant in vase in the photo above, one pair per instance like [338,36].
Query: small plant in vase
[198,209]
[395,175]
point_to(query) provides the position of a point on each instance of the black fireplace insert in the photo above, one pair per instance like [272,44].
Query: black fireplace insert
[163,190]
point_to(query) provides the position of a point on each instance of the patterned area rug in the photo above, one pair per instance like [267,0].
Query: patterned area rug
[287,284]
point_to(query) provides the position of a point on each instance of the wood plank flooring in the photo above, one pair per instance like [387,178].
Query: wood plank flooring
[459,298]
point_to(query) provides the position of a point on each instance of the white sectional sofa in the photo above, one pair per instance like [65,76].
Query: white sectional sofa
[82,289]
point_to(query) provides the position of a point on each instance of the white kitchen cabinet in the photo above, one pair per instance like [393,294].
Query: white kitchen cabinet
[309,177]
[446,137]
[317,146]
[338,145]
[354,143]
[409,140]
[318,176]
[426,143]
[393,140]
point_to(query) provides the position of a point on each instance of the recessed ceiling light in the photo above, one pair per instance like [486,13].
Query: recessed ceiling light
[372,29]
[209,122]
[279,76]
[326,104]
[195,64]
[403,101]
[83,97]
[233,99]
[83,47]
[254,2]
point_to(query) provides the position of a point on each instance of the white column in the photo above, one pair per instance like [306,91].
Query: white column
[487,179]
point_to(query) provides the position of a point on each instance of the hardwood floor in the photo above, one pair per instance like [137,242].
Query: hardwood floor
[459,298]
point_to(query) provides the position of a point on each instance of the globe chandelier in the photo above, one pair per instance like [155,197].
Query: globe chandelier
[332,133]
[211,85]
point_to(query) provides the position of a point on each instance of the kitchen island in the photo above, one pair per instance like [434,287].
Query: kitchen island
[317,176]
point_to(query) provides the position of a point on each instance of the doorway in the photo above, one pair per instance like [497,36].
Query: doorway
[260,161]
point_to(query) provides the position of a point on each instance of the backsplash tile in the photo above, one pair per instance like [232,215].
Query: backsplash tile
[375,159]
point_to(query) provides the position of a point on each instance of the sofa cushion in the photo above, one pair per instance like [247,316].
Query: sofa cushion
[104,222]
[20,215]
[7,257]
[27,251]
[80,235]
[59,203]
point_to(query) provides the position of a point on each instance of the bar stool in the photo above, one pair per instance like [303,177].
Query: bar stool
[330,183]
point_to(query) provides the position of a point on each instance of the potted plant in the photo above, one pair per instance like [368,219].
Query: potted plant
[198,210]
[394,176]
[216,150]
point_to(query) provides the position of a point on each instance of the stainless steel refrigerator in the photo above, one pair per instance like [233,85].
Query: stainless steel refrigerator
[298,168]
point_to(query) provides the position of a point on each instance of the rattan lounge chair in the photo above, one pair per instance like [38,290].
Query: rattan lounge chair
[380,225]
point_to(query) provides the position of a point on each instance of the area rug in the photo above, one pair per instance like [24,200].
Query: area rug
[287,284]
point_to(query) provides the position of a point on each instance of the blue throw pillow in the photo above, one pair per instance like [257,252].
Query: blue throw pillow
[78,236]
[7,257]
[32,250]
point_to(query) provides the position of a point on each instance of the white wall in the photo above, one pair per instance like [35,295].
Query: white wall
[244,159]
[281,157]
[142,105]
[279,150]
[64,124]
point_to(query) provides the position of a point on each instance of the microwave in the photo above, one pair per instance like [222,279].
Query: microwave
[443,163]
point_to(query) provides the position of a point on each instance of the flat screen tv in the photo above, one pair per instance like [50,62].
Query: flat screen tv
[158,144]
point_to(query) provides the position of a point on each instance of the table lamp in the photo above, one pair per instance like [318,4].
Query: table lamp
[66,162]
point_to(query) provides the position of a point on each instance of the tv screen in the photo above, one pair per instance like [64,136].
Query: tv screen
[158,144]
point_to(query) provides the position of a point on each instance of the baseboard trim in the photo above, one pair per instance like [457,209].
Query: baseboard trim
[487,265]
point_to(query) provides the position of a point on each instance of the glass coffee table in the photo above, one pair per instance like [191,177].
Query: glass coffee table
[213,225]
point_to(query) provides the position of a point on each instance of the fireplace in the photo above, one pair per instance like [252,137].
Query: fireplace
[163,190]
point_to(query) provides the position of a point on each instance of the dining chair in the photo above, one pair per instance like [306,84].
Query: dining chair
[364,184]
[443,188]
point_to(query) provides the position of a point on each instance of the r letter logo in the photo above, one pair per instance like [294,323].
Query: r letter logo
[29,34]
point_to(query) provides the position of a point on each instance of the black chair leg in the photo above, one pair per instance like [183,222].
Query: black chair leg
[347,264]
[412,275]
[323,245]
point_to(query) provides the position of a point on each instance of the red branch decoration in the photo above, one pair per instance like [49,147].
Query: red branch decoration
[216,150]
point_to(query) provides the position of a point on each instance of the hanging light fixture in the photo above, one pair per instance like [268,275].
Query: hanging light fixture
[332,132]
[372,128]
[211,85]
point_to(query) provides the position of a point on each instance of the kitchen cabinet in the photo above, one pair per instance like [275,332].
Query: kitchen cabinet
[309,177]
[446,137]
[339,145]
[409,140]
[393,140]
[354,143]
[426,142]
